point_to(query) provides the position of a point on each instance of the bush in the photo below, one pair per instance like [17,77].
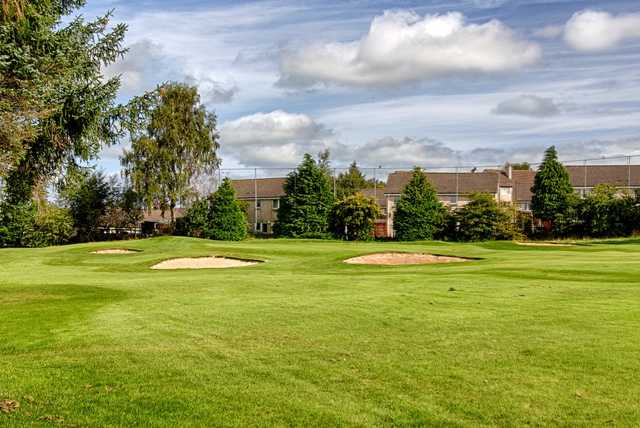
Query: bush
[54,226]
[482,219]
[419,213]
[220,216]
[353,218]
[607,213]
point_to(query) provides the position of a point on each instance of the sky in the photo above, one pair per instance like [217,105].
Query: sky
[393,83]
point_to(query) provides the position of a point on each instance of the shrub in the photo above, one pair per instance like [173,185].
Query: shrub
[482,219]
[220,216]
[24,225]
[419,213]
[353,218]
[606,213]
[227,220]
[89,196]
[54,226]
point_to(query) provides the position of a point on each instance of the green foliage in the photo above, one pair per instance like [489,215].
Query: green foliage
[89,196]
[26,225]
[227,220]
[179,144]
[55,106]
[552,191]
[221,216]
[605,213]
[522,166]
[307,204]
[419,213]
[353,218]
[482,219]
[350,182]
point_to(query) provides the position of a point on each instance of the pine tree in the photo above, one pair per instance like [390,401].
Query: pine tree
[306,206]
[351,181]
[553,194]
[419,213]
[227,220]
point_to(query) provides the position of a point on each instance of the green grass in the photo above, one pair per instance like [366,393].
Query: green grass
[526,336]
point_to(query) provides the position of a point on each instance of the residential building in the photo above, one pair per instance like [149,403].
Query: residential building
[262,200]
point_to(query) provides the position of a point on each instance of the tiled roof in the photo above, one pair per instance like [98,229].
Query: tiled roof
[155,216]
[592,175]
[447,183]
[378,194]
[267,188]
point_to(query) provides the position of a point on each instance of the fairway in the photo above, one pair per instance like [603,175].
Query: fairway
[521,335]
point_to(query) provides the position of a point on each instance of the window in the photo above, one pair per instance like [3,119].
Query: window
[276,204]
[265,227]
[258,204]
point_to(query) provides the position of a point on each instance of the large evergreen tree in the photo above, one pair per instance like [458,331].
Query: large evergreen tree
[55,106]
[419,213]
[180,143]
[307,204]
[552,191]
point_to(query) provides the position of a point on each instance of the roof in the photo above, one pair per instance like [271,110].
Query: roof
[267,188]
[155,216]
[379,195]
[616,175]
[448,183]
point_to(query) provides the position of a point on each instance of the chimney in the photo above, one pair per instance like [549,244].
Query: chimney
[509,171]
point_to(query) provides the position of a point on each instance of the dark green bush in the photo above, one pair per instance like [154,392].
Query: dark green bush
[353,218]
[482,219]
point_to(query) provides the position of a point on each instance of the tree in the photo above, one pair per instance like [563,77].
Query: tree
[522,166]
[307,204]
[227,219]
[180,143]
[552,191]
[353,218]
[607,212]
[89,197]
[55,106]
[351,181]
[419,213]
[482,219]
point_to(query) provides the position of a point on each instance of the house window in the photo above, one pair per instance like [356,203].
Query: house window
[276,204]
[258,204]
[265,227]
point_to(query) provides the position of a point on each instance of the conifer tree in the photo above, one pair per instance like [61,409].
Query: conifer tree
[553,195]
[227,220]
[419,213]
[306,206]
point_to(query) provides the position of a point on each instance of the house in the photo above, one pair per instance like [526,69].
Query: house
[453,189]
[262,200]
[583,179]
[153,221]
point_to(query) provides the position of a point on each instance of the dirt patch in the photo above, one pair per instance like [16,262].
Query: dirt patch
[396,259]
[115,251]
[545,244]
[204,263]
[9,406]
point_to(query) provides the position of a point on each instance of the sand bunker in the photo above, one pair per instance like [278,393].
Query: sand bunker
[396,259]
[115,251]
[203,263]
[545,244]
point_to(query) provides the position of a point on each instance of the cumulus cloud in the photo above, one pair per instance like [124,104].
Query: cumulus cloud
[403,46]
[591,31]
[143,60]
[212,91]
[528,105]
[277,138]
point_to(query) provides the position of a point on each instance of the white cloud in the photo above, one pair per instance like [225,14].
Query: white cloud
[404,47]
[489,4]
[277,138]
[591,30]
[528,105]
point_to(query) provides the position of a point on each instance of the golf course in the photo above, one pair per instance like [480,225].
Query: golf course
[515,335]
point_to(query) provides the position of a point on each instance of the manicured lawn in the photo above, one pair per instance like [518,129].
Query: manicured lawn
[527,335]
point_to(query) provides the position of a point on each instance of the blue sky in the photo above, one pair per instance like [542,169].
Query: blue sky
[395,83]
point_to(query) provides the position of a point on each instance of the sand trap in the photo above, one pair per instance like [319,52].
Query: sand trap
[203,263]
[115,251]
[545,244]
[396,259]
